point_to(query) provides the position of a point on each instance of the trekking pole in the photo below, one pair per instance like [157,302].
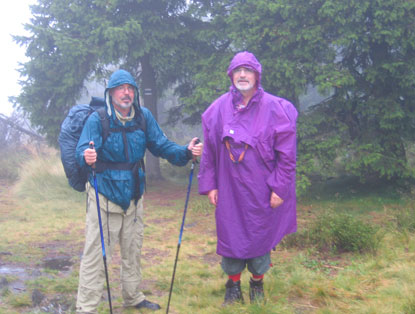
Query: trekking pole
[181,228]
[104,257]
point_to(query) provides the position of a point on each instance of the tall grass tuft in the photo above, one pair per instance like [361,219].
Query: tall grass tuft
[409,306]
[405,219]
[42,178]
[10,162]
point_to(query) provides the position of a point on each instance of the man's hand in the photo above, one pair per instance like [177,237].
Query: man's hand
[275,200]
[90,155]
[213,197]
[195,149]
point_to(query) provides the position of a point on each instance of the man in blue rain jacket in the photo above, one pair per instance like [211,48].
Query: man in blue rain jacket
[118,160]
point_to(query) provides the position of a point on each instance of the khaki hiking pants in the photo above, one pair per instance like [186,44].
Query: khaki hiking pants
[126,229]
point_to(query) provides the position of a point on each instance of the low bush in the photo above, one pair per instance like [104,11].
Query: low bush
[346,233]
[337,232]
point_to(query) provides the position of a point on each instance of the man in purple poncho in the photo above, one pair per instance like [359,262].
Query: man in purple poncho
[247,170]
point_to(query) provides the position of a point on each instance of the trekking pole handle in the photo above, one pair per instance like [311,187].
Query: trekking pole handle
[194,159]
[92,146]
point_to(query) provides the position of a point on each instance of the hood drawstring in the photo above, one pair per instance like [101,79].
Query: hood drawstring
[108,102]
[241,156]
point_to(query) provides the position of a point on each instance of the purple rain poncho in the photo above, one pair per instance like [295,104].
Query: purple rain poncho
[246,225]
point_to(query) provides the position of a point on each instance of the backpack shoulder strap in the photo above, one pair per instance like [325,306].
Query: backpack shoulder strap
[105,123]
[141,120]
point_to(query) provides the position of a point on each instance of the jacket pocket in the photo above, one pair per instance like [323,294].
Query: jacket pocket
[117,186]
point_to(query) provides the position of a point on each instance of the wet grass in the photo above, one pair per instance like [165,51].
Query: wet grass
[42,218]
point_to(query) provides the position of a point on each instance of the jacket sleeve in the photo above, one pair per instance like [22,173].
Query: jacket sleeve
[160,146]
[207,170]
[91,132]
[282,178]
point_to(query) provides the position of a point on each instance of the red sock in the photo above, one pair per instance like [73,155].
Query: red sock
[257,278]
[235,278]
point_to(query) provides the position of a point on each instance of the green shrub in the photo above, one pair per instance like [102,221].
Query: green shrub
[337,232]
[345,233]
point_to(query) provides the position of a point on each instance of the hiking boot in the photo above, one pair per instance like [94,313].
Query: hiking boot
[148,305]
[256,291]
[233,292]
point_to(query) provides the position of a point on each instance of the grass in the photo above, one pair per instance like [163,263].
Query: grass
[42,217]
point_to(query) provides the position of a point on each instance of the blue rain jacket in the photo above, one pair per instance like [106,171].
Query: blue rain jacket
[118,185]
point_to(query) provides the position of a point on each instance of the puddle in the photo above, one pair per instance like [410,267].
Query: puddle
[11,271]
[18,276]
[14,278]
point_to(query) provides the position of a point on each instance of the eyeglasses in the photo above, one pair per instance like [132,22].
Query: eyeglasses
[125,87]
[240,69]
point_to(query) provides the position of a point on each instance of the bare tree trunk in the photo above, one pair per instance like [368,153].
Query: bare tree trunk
[19,128]
[149,95]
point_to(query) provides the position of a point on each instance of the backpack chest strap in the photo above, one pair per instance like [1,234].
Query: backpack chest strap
[100,166]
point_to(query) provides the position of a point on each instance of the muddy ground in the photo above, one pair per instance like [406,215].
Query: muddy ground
[15,276]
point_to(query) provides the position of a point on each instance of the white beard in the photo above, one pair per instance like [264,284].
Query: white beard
[244,87]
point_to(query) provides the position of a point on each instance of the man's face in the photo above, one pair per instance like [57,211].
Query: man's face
[244,78]
[122,96]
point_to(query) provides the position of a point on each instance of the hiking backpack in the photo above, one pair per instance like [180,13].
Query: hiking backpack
[70,133]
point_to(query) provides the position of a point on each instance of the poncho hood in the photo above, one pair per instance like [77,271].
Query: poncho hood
[246,59]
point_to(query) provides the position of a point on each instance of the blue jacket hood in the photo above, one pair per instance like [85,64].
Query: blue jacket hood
[118,78]
[121,77]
